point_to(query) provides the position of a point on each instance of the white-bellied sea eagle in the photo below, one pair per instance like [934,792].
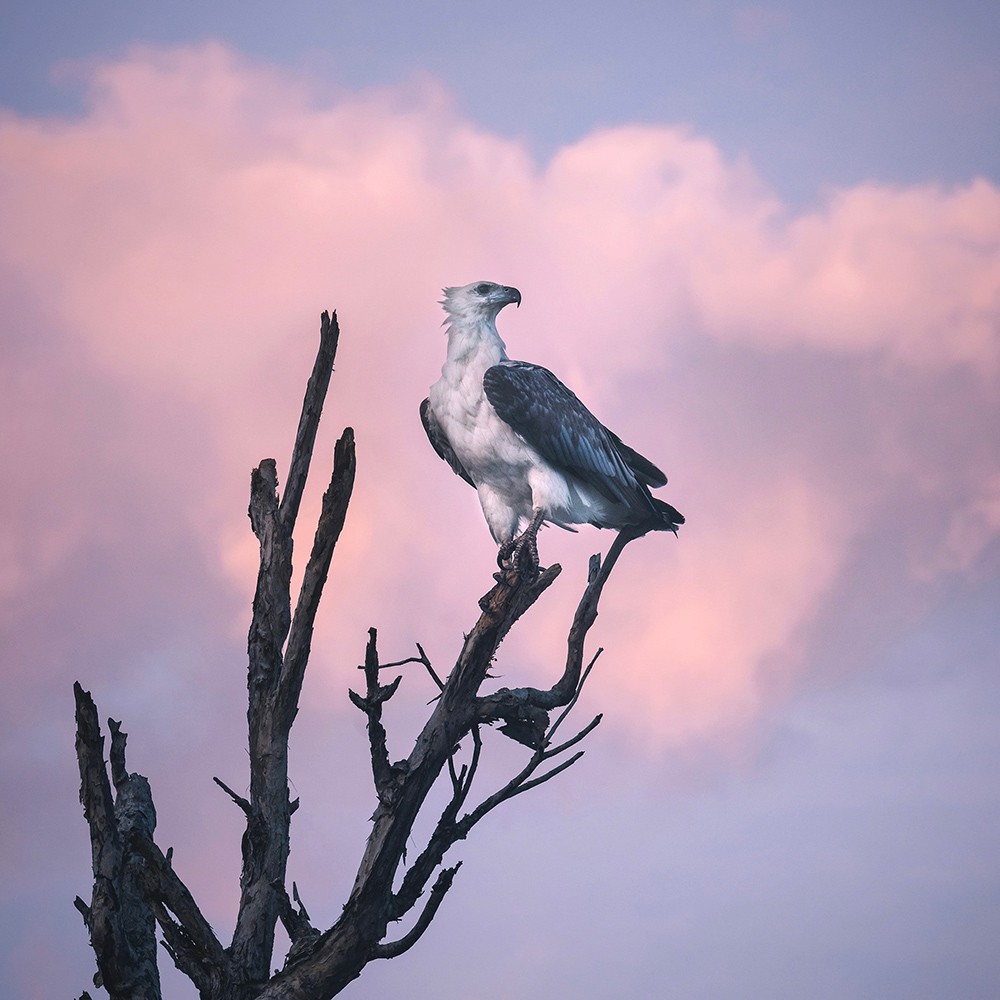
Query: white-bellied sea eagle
[532,451]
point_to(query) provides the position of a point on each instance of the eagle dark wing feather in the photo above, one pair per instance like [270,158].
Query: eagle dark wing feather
[639,464]
[440,442]
[551,418]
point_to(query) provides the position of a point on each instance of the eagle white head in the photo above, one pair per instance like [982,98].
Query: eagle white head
[479,301]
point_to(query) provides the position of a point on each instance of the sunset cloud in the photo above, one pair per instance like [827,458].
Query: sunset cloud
[173,245]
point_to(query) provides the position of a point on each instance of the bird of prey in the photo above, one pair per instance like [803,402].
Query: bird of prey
[532,451]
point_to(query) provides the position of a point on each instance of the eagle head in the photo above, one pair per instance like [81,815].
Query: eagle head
[479,300]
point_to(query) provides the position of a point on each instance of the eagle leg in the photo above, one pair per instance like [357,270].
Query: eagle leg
[521,553]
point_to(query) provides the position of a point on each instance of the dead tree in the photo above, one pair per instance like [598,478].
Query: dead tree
[136,888]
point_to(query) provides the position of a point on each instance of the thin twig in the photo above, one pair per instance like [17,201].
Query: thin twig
[545,777]
[576,697]
[427,664]
[422,658]
[395,663]
[238,799]
[563,747]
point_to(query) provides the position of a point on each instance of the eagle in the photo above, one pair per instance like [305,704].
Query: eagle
[531,450]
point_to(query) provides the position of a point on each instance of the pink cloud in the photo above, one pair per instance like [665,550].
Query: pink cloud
[912,275]
[180,238]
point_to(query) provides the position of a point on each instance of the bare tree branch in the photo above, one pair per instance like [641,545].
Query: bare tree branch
[371,705]
[164,886]
[238,799]
[296,921]
[563,747]
[516,703]
[422,658]
[331,523]
[120,922]
[405,943]
[271,604]
[534,721]
[312,410]
[275,680]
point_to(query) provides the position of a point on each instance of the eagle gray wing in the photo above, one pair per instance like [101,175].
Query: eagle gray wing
[440,442]
[551,418]
[639,464]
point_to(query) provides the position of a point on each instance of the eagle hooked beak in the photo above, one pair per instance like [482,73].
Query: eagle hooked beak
[512,295]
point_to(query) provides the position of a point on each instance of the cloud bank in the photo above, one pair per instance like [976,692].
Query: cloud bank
[814,382]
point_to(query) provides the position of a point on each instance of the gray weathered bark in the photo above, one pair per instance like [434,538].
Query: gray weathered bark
[120,921]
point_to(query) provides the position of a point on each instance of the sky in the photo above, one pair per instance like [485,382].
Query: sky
[760,241]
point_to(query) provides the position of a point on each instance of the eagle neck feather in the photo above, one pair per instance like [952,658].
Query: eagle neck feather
[475,343]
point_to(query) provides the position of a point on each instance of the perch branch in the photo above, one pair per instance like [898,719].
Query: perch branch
[523,721]
[517,703]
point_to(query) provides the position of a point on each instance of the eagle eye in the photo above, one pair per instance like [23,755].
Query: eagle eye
[483,288]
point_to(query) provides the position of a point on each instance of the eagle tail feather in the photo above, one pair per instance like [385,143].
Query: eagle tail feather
[669,518]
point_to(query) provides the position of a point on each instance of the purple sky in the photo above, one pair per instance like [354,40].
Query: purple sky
[761,242]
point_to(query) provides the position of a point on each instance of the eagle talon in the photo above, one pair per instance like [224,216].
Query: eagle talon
[525,557]
[505,552]
[520,554]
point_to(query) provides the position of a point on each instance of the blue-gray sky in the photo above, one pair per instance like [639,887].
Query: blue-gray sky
[815,95]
